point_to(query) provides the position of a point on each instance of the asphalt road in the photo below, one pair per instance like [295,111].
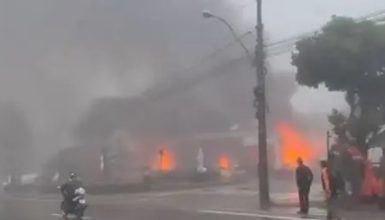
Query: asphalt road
[17,210]
[237,202]
[219,203]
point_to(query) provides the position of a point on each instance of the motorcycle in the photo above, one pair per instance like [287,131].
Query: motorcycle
[75,207]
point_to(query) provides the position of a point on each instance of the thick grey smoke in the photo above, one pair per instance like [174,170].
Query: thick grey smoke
[57,56]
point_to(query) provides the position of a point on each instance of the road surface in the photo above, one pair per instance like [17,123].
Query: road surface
[47,210]
[216,203]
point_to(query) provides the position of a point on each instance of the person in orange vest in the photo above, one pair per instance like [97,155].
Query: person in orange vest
[330,189]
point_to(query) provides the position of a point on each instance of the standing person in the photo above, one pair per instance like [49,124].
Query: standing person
[329,187]
[304,177]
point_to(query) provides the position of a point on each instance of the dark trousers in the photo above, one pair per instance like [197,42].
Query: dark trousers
[332,208]
[303,194]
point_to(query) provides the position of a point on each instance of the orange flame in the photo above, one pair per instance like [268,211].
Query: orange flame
[165,161]
[224,163]
[294,145]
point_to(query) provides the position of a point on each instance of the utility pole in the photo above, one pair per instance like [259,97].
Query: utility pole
[328,136]
[260,96]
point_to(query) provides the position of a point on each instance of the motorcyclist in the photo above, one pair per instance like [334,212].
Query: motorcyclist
[68,190]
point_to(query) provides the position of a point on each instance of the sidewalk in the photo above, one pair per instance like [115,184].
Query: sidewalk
[318,209]
[285,203]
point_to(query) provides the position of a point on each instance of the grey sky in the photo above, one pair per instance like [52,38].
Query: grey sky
[285,18]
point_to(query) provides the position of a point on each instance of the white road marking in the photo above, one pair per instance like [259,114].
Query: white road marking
[41,199]
[172,193]
[259,215]
[225,191]
[60,216]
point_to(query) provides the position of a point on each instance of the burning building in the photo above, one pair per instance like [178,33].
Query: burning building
[130,163]
[171,123]
[294,144]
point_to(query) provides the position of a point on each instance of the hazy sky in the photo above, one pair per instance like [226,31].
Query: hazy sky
[290,17]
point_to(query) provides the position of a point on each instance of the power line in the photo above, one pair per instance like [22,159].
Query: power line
[167,88]
[374,16]
[273,49]
[289,43]
[371,15]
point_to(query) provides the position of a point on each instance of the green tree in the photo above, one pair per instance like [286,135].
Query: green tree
[348,56]
[338,120]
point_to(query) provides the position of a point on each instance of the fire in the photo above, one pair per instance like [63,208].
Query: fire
[294,145]
[165,161]
[224,162]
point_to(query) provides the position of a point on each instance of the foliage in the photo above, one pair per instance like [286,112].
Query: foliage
[338,120]
[348,56]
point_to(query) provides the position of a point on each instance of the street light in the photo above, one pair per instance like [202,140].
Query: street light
[208,14]
[328,136]
[260,97]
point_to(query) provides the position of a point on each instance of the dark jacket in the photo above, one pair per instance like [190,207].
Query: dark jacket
[304,177]
[68,189]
